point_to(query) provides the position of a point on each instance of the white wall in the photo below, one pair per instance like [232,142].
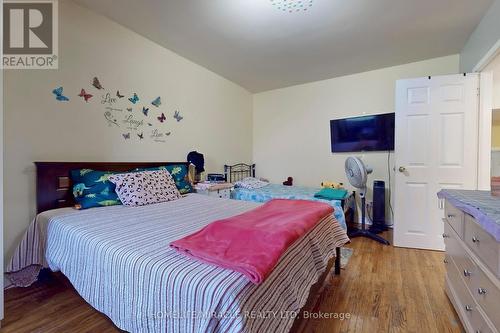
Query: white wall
[291,126]
[217,113]
[484,37]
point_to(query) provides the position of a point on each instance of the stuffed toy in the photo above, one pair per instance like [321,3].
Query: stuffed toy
[332,185]
[288,181]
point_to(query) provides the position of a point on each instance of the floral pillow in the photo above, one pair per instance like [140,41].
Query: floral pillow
[179,173]
[145,187]
[92,188]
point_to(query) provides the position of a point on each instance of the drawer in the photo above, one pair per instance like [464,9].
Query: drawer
[479,323]
[223,194]
[482,244]
[456,252]
[487,295]
[465,302]
[455,218]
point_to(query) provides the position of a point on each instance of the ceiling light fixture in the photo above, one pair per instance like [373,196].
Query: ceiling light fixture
[292,6]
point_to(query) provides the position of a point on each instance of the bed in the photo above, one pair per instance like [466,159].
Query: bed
[233,173]
[119,261]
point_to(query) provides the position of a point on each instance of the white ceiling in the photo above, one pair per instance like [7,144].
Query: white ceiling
[259,47]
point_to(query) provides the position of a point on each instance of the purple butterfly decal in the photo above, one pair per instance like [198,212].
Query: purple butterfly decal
[126,136]
[97,84]
[162,118]
[177,116]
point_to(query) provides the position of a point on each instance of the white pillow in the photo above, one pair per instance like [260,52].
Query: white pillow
[250,183]
[145,187]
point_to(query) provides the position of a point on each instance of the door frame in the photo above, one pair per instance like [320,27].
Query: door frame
[485,116]
[484,132]
[1,175]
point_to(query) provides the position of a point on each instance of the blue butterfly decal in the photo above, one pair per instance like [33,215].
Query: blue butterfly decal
[59,94]
[126,136]
[177,116]
[157,101]
[134,99]
[145,110]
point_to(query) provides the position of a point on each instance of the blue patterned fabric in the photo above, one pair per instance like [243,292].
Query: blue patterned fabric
[275,191]
[179,173]
[93,189]
[480,204]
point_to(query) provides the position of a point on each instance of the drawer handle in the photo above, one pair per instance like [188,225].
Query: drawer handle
[467,273]
[481,291]
[475,239]
[468,308]
[446,236]
[450,216]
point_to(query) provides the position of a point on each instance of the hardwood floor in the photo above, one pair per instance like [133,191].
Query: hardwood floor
[383,289]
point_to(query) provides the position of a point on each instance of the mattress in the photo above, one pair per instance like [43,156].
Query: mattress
[119,261]
[275,191]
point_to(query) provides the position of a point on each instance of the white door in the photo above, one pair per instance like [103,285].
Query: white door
[436,147]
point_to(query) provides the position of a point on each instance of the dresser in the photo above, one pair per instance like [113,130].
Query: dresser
[472,259]
[218,190]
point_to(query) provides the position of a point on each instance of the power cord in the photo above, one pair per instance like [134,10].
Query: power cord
[390,188]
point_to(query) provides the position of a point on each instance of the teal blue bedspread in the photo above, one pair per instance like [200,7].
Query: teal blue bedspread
[275,191]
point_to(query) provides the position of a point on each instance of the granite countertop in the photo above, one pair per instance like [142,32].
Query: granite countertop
[480,204]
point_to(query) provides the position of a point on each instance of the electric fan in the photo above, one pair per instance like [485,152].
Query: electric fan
[357,174]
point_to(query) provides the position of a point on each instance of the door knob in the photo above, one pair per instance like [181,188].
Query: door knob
[402,169]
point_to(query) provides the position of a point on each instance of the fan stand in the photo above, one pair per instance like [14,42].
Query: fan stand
[363,232]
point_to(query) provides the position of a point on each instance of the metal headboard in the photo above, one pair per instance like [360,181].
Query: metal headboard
[236,172]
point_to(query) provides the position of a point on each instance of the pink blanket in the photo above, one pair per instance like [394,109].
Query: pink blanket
[253,242]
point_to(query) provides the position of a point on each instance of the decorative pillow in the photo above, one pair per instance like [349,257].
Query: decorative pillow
[250,183]
[145,187]
[179,173]
[93,189]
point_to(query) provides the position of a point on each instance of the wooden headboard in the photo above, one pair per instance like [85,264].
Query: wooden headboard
[53,182]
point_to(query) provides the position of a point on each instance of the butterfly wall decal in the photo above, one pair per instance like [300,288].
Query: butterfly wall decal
[149,124]
[162,118]
[134,99]
[129,109]
[119,95]
[145,110]
[141,136]
[85,96]
[157,101]
[126,136]
[168,133]
[177,116]
[59,94]
[96,83]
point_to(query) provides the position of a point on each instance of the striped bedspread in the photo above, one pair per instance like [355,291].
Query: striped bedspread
[119,260]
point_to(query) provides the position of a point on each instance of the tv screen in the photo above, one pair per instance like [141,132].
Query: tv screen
[366,133]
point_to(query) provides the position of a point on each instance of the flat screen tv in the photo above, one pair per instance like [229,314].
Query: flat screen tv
[365,133]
